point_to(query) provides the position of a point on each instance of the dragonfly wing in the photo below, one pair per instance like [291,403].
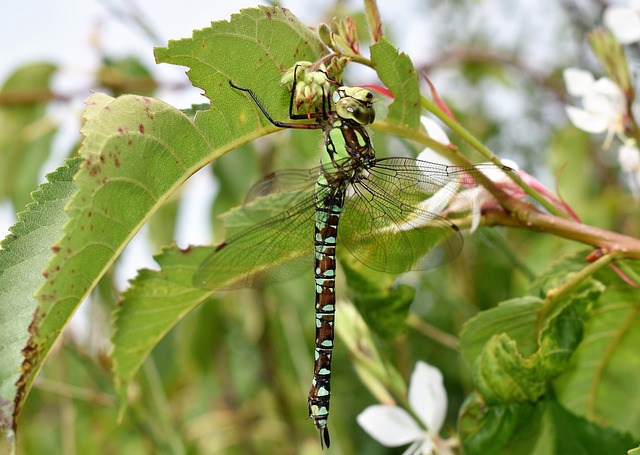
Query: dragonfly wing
[394,218]
[263,248]
[283,181]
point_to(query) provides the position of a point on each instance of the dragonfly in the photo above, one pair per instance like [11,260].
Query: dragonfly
[391,213]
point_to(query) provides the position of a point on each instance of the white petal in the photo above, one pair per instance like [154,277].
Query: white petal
[605,98]
[434,130]
[624,23]
[430,155]
[629,158]
[389,425]
[578,81]
[476,215]
[427,396]
[587,121]
[422,447]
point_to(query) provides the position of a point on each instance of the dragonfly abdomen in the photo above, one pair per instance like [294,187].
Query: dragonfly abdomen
[328,210]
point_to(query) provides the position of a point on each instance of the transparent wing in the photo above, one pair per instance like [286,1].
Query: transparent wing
[394,217]
[270,240]
[287,180]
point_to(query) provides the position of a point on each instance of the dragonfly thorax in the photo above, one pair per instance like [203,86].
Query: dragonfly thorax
[354,104]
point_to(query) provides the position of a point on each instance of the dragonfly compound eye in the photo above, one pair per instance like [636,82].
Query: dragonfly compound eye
[354,103]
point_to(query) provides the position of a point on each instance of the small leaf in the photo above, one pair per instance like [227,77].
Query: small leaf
[155,302]
[253,50]
[397,72]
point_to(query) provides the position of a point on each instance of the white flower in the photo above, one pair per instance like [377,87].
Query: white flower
[624,22]
[603,103]
[629,160]
[393,426]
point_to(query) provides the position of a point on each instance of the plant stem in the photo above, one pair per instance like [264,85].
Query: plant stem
[575,279]
[163,415]
[433,333]
[525,216]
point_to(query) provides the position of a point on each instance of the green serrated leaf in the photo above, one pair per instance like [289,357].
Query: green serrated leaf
[542,428]
[24,253]
[155,302]
[602,378]
[253,50]
[26,133]
[502,372]
[136,152]
[396,71]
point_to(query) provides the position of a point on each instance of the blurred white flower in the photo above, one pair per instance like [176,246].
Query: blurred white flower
[624,21]
[603,103]
[629,160]
[393,426]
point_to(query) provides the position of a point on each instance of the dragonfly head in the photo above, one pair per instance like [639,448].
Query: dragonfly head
[354,103]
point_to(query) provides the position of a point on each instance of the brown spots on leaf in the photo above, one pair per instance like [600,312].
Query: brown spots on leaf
[55,249]
[90,213]
[121,130]
[102,159]
[116,161]
[45,275]
[94,170]
[141,128]
[129,142]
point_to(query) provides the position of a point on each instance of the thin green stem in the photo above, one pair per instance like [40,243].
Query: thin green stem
[573,281]
[164,411]
[433,333]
